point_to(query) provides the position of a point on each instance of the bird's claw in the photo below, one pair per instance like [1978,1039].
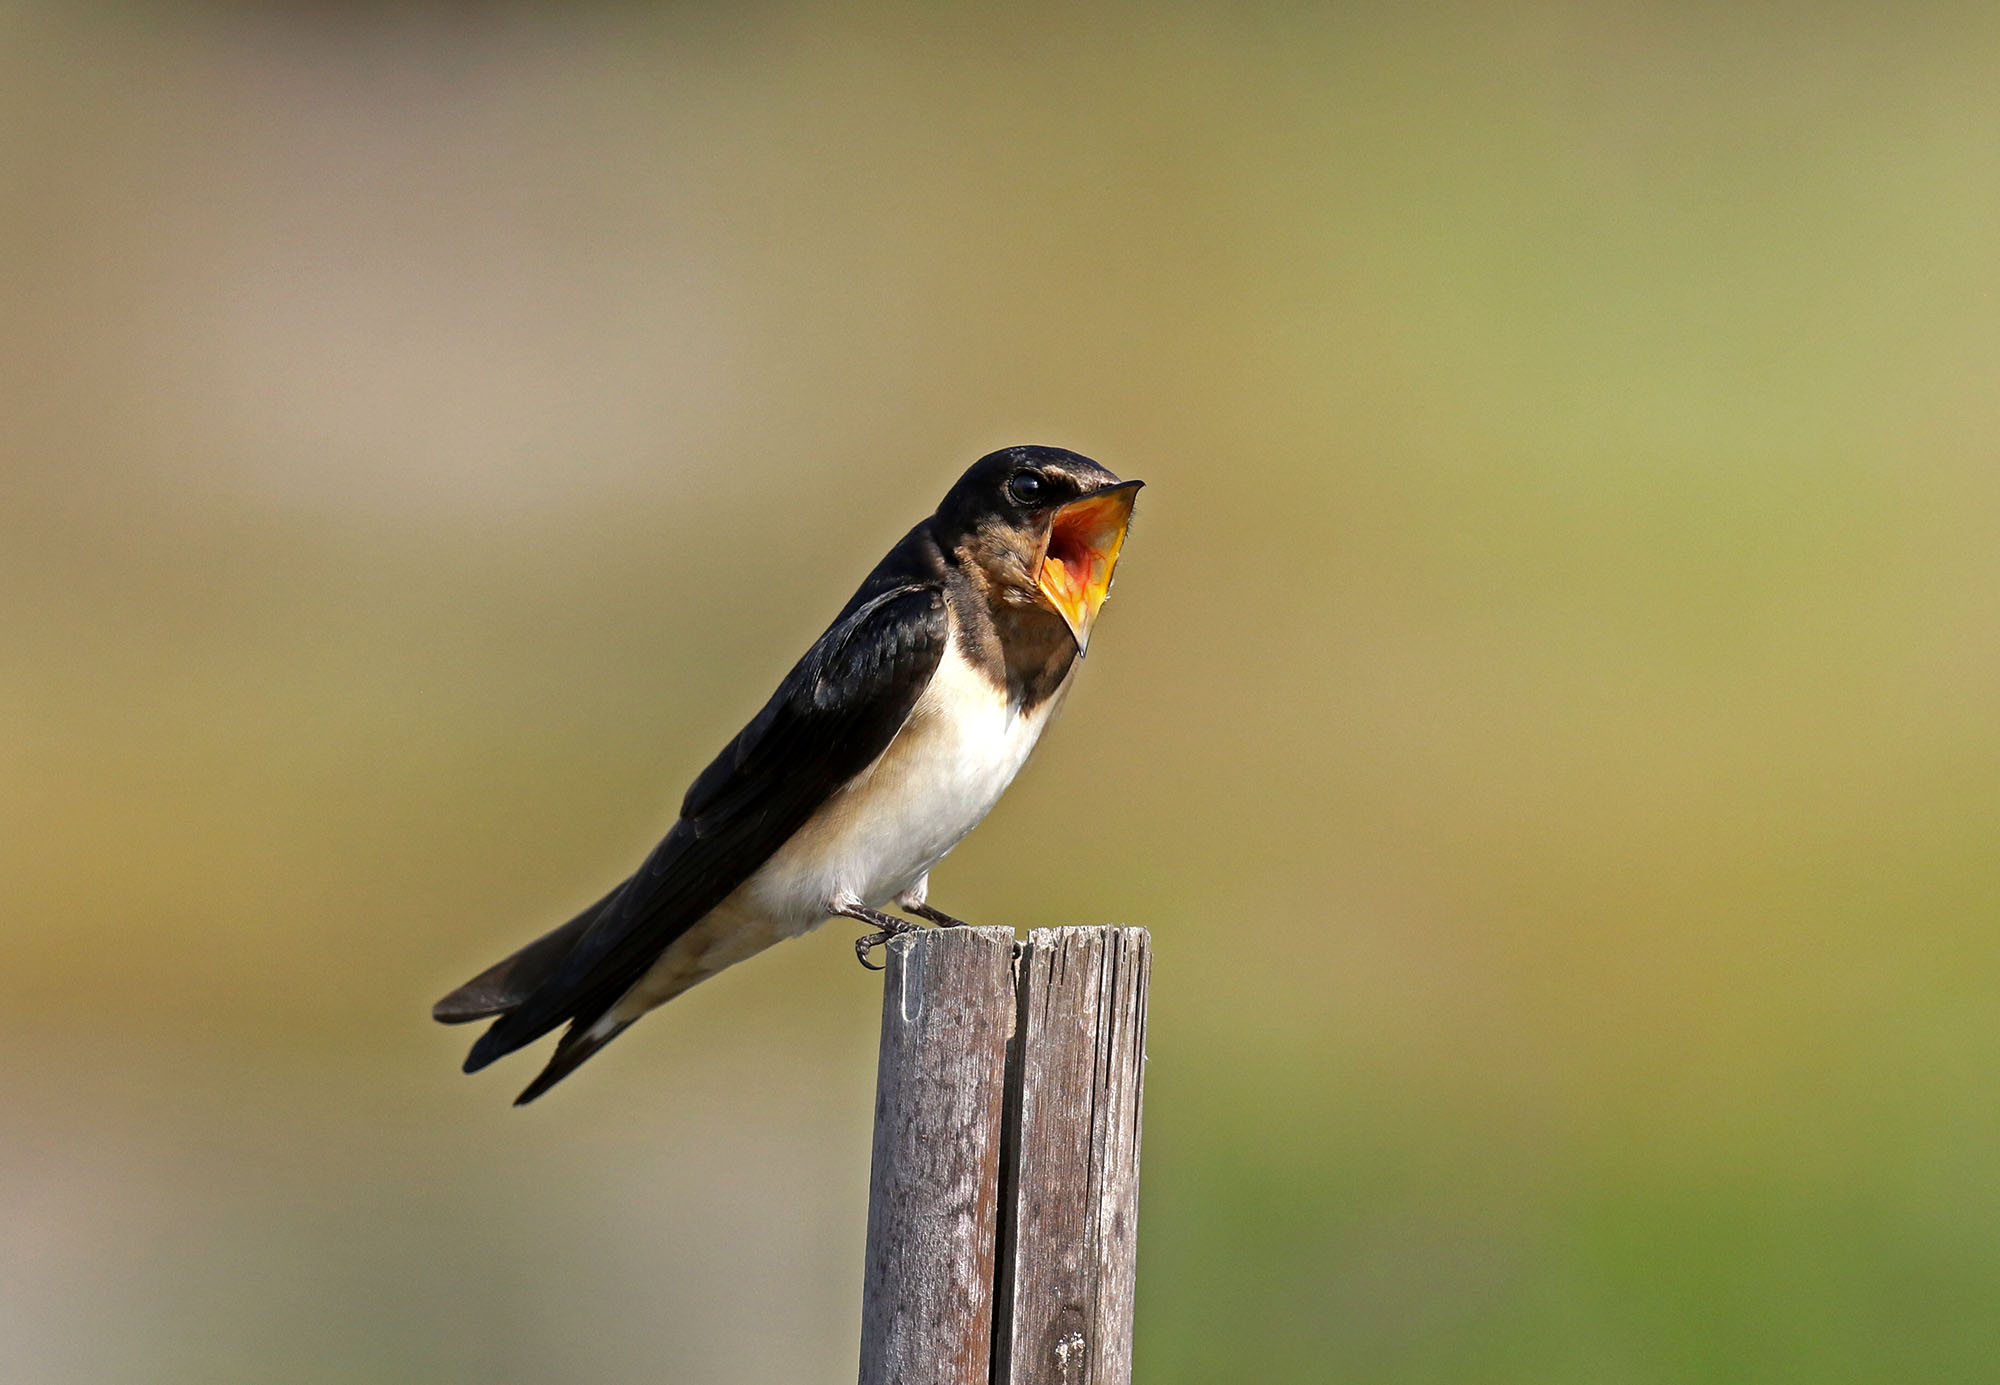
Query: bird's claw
[868,942]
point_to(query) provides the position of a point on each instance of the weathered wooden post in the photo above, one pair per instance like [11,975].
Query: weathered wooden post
[1064,1308]
[934,1188]
[1003,1201]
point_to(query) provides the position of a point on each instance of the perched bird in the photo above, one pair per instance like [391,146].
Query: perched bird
[887,743]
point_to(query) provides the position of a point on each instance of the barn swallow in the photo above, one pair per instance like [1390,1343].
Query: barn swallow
[886,744]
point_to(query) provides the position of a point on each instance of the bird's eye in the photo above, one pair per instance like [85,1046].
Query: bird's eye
[1025,488]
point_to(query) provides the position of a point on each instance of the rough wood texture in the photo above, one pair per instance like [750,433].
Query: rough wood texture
[948,1009]
[1070,1215]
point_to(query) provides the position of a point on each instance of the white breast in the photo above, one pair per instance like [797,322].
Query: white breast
[947,767]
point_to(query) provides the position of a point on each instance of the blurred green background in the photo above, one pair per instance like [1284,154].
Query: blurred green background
[1547,719]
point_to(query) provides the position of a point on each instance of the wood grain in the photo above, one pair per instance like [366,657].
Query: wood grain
[948,1009]
[1070,1220]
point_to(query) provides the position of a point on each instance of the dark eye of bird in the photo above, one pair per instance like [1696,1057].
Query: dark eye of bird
[1025,488]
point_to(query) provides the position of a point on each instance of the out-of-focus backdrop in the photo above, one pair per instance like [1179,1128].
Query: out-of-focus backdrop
[1548,715]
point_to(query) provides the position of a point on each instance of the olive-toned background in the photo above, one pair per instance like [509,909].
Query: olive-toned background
[1548,715]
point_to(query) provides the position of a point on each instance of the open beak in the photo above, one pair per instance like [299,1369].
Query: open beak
[1084,538]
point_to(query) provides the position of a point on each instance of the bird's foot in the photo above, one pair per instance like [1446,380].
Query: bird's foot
[868,942]
[887,926]
[936,916]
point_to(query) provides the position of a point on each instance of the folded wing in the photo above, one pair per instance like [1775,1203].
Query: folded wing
[836,711]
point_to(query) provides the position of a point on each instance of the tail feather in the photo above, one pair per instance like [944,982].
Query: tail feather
[578,1043]
[512,980]
[503,987]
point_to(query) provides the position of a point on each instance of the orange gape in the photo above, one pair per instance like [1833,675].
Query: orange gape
[1084,538]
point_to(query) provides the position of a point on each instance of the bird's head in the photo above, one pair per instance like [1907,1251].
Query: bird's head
[1044,525]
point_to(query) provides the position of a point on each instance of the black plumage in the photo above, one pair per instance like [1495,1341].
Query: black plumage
[831,718]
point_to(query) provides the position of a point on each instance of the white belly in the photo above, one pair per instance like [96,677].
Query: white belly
[946,768]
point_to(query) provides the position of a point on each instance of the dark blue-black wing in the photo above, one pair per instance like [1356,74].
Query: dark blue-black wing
[836,711]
